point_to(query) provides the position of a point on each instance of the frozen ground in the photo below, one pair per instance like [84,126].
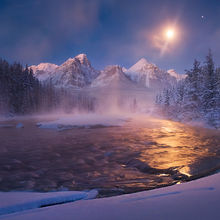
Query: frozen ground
[199,199]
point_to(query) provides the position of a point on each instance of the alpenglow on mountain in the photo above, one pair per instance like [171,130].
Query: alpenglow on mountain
[113,77]
[149,75]
[78,73]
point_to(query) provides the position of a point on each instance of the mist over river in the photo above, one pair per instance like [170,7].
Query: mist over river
[142,153]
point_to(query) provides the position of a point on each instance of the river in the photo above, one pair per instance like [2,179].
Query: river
[144,153]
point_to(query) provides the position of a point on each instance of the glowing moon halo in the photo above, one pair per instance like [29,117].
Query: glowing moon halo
[170,33]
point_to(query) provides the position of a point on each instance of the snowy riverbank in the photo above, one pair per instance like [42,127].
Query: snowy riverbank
[83,121]
[199,199]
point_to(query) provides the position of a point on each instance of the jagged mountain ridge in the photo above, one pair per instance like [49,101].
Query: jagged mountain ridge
[178,76]
[75,72]
[112,76]
[148,75]
[78,72]
[43,70]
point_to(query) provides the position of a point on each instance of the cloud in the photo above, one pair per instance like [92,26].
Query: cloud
[72,16]
[31,30]
[32,48]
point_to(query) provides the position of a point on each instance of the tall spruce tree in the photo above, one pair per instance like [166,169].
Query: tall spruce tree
[197,97]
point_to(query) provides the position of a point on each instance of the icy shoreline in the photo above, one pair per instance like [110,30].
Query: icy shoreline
[84,121]
[13,202]
[198,199]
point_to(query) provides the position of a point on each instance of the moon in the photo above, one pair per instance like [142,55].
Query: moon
[170,33]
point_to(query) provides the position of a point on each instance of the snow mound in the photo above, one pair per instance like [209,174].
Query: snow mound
[19,201]
[83,121]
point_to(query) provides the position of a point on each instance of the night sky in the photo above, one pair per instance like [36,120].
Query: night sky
[109,31]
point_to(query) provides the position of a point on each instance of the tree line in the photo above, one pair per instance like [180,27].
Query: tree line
[22,93]
[196,98]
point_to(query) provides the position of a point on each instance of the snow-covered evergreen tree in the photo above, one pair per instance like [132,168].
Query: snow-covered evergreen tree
[197,97]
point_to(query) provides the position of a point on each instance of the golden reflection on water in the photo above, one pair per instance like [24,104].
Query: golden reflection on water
[175,146]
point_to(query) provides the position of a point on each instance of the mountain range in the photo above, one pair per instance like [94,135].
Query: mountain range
[78,73]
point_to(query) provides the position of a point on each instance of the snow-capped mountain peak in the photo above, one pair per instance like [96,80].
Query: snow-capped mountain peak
[178,76]
[44,67]
[142,72]
[75,72]
[81,59]
[124,69]
[141,64]
[112,76]
[43,70]
[78,72]
[148,75]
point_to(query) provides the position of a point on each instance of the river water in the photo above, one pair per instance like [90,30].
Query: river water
[144,153]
